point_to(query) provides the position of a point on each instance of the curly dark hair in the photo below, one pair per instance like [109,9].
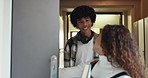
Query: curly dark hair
[121,50]
[80,12]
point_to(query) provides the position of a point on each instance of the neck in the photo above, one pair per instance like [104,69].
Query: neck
[88,34]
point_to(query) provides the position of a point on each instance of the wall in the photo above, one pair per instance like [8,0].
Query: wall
[5,38]
[146,41]
[35,37]
[61,34]
[144,8]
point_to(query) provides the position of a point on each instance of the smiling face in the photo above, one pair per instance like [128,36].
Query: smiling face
[85,24]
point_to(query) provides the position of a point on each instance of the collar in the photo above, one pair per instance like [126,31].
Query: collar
[84,39]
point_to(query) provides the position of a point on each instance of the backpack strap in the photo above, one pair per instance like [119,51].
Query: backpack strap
[120,74]
[93,63]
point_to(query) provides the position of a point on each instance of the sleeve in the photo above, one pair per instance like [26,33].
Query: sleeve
[70,51]
[67,55]
[67,52]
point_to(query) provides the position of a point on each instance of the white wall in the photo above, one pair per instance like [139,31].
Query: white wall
[5,38]
[61,34]
[35,37]
[146,41]
[141,38]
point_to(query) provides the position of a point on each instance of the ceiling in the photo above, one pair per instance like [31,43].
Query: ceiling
[105,9]
[99,5]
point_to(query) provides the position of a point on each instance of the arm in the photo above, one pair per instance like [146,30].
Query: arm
[71,72]
[67,55]
[70,52]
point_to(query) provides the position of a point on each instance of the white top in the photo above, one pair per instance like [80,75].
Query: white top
[84,56]
[103,69]
[84,52]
